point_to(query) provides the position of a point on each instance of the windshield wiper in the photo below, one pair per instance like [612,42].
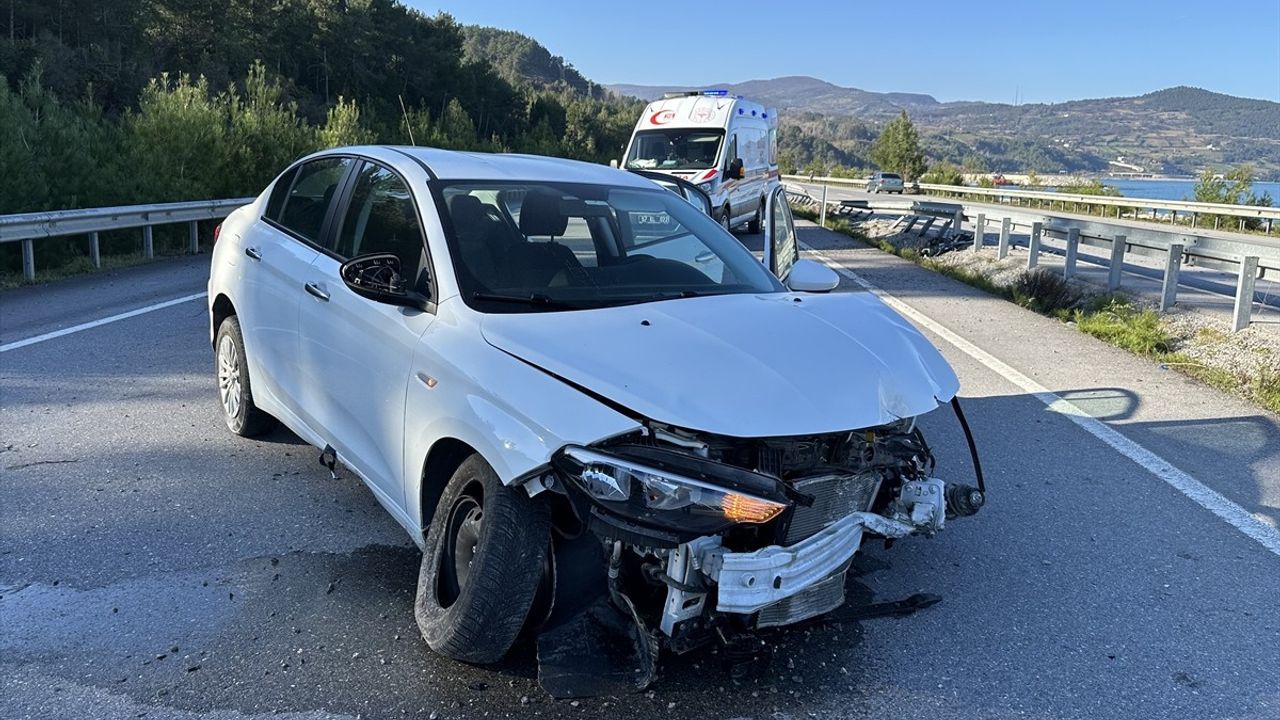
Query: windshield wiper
[533,299]
[659,297]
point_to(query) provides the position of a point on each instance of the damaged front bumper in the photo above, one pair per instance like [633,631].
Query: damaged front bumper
[748,582]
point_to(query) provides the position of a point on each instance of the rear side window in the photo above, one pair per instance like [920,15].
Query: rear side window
[278,193]
[308,200]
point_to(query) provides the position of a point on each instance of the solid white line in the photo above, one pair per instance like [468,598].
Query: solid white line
[97,323]
[1199,493]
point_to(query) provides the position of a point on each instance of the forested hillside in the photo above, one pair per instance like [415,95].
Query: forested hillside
[123,101]
[521,60]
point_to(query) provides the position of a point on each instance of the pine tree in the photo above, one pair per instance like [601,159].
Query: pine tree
[898,149]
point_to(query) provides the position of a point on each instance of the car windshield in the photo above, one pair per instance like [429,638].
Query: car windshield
[674,150]
[529,247]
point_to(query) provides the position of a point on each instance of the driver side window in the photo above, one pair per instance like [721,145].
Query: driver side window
[382,218]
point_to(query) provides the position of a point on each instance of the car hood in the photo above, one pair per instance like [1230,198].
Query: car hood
[740,365]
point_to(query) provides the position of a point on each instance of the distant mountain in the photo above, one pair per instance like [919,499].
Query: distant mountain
[1179,130]
[801,92]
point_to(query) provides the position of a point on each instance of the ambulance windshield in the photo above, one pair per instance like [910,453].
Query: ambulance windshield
[674,149]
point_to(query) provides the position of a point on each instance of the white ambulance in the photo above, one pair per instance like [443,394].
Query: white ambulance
[725,145]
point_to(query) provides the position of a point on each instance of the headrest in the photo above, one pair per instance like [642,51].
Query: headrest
[540,214]
[467,211]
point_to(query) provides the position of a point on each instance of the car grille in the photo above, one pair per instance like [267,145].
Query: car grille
[834,496]
[822,597]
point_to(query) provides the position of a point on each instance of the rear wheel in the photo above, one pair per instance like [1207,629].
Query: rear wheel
[753,226]
[481,565]
[235,392]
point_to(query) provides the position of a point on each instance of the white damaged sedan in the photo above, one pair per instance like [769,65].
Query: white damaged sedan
[600,416]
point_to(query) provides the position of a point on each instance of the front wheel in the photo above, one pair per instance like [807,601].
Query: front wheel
[724,220]
[481,565]
[753,225]
[242,416]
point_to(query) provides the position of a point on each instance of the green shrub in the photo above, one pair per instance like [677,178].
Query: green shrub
[1044,291]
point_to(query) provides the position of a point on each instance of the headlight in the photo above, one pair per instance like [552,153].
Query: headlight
[706,186]
[666,496]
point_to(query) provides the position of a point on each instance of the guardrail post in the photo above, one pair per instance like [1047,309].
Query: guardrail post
[959,221]
[1117,262]
[1073,249]
[822,216]
[193,236]
[1003,248]
[95,250]
[148,246]
[28,260]
[1244,292]
[979,231]
[1033,245]
[1172,265]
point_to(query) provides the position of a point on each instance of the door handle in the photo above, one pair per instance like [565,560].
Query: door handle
[253,253]
[316,291]
[704,257]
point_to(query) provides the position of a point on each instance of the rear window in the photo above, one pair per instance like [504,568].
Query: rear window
[890,176]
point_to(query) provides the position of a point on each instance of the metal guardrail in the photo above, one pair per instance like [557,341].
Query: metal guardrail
[29,227]
[1243,212]
[1249,257]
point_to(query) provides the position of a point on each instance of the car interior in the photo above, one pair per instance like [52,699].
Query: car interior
[537,238]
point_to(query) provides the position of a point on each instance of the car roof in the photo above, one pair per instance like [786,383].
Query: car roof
[457,165]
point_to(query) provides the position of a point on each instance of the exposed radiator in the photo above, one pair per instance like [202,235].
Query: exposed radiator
[822,597]
[834,496]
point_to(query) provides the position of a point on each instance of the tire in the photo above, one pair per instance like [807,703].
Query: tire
[235,392]
[474,612]
[725,221]
[753,225]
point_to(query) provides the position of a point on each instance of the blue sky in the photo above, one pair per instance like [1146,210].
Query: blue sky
[1038,50]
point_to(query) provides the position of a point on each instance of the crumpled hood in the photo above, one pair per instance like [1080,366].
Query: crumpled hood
[741,365]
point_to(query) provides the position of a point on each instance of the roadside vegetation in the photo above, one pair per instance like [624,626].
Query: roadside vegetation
[119,102]
[1233,362]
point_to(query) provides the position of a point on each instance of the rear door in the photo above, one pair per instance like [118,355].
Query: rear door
[781,248]
[279,255]
[356,354]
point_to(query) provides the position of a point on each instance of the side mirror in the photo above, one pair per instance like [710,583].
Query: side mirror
[736,169]
[377,278]
[812,276]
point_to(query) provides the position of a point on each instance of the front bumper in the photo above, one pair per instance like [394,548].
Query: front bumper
[748,582]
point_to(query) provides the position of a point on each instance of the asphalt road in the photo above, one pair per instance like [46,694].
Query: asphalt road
[153,565]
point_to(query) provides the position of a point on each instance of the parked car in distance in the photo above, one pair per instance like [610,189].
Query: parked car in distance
[885,182]
[602,419]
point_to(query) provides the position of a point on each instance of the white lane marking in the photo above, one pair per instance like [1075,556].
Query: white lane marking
[97,323]
[1198,492]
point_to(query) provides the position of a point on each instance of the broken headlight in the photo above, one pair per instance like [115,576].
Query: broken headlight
[673,490]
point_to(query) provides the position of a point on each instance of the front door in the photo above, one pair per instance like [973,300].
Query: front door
[781,249]
[356,354]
